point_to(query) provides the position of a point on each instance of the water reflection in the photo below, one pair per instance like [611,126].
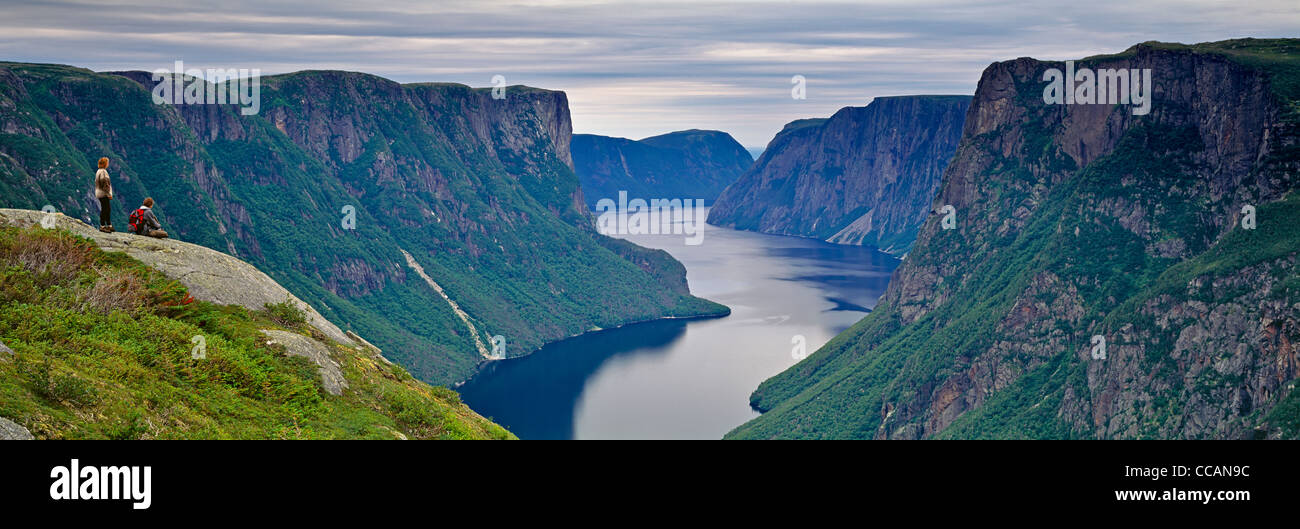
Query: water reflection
[689,379]
[540,391]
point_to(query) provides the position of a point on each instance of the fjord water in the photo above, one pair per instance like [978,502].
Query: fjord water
[688,379]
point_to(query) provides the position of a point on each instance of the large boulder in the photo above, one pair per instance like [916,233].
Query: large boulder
[298,345]
[210,275]
[12,431]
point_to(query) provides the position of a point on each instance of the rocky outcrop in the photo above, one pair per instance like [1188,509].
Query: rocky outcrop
[864,176]
[689,164]
[12,431]
[1101,279]
[99,331]
[1235,355]
[208,274]
[339,172]
[298,345]
[375,352]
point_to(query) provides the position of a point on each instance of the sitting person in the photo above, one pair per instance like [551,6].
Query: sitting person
[144,222]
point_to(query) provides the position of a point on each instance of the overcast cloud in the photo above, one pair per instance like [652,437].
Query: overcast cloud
[631,69]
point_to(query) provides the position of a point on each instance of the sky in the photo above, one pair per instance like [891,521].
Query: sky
[631,69]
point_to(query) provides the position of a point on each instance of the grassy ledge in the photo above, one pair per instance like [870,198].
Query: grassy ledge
[103,350]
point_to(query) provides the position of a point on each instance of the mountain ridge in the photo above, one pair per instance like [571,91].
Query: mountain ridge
[686,164]
[480,191]
[1084,221]
[863,176]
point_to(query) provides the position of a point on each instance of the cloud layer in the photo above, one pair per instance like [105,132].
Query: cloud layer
[631,69]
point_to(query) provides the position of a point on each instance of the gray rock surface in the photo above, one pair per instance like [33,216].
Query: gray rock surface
[298,345]
[1209,354]
[5,351]
[374,352]
[865,176]
[210,275]
[12,431]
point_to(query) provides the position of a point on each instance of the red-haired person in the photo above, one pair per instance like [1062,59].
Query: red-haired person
[144,222]
[104,192]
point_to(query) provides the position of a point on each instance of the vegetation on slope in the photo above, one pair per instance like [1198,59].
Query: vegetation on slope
[102,350]
[1141,246]
[472,187]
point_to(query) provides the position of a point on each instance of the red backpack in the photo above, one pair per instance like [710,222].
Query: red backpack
[135,221]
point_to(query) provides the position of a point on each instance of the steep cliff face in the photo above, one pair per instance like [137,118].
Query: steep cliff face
[1083,221]
[333,180]
[864,176]
[689,164]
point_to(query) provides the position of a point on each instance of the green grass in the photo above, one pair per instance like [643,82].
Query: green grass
[103,350]
[470,186]
[1277,58]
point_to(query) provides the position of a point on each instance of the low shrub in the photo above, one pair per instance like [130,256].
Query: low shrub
[287,314]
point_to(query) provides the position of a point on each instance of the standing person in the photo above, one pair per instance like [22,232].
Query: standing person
[104,192]
[144,222]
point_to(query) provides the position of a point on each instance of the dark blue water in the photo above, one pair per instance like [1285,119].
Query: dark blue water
[677,379]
